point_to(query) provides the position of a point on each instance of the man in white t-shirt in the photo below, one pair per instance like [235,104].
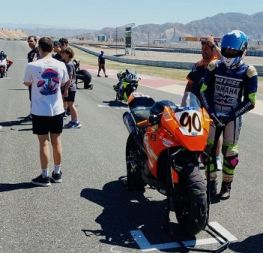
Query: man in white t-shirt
[45,77]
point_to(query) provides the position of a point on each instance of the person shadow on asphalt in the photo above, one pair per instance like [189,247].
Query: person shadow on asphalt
[6,187]
[251,244]
[125,211]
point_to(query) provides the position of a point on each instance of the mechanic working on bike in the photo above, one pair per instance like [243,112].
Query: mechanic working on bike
[228,90]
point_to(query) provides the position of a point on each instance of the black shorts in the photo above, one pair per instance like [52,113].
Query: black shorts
[71,96]
[45,124]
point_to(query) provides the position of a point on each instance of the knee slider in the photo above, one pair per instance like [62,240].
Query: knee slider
[232,161]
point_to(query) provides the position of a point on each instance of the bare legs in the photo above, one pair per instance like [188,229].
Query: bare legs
[44,149]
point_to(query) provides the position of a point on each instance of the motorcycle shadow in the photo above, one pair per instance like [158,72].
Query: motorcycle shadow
[115,103]
[126,211]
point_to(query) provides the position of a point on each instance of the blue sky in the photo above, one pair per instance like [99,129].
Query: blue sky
[96,14]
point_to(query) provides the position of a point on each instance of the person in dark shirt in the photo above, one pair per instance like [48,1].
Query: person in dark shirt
[63,43]
[70,93]
[101,64]
[32,55]
[210,52]
[57,51]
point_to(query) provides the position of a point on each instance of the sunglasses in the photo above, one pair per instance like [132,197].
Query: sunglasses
[231,53]
[206,43]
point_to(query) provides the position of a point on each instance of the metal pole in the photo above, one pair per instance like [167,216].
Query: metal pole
[116,39]
[148,40]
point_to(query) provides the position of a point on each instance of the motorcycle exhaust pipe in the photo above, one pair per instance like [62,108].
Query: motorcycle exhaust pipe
[129,122]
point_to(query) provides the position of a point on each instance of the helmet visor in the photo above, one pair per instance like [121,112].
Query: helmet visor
[231,53]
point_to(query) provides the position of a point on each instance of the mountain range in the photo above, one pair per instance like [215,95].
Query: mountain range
[217,25]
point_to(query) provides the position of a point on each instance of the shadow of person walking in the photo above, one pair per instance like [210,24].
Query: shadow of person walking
[16,186]
[251,244]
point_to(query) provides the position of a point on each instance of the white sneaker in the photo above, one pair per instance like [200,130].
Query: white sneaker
[219,163]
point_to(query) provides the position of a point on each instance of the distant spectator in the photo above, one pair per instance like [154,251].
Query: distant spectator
[70,93]
[101,64]
[33,55]
[57,50]
[63,43]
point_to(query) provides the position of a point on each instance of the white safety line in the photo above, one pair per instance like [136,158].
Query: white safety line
[223,231]
[146,246]
[4,78]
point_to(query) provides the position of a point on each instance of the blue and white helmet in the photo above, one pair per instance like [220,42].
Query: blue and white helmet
[233,47]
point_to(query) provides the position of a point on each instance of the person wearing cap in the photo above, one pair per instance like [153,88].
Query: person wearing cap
[228,90]
[210,51]
[101,64]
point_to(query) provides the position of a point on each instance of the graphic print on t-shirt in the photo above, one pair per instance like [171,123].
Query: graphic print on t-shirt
[49,82]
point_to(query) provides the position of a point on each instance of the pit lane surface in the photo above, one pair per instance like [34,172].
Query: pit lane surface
[91,211]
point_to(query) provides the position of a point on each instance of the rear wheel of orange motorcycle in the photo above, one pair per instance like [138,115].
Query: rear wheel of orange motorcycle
[191,202]
[134,169]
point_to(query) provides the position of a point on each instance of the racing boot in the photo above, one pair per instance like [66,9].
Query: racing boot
[225,190]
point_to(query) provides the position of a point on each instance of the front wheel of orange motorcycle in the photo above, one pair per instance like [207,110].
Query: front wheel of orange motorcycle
[190,203]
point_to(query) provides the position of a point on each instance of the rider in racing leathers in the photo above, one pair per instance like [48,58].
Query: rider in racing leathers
[228,91]
[5,61]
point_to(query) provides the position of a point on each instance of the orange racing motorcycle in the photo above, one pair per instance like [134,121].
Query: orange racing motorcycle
[163,149]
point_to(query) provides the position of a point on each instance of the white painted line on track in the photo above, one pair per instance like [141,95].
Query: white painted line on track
[146,246]
[4,78]
[114,107]
[223,231]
